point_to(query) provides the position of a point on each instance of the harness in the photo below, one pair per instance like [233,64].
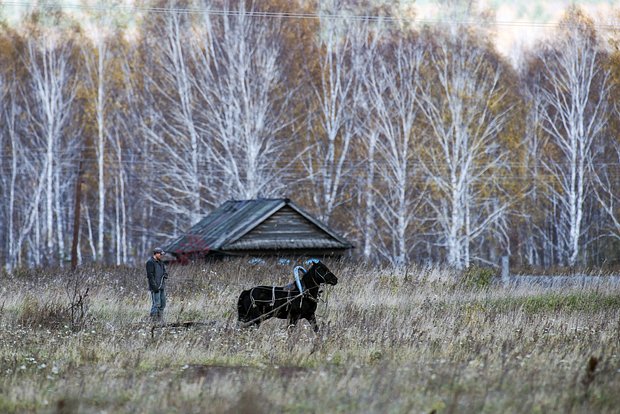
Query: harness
[296,273]
[302,293]
[264,315]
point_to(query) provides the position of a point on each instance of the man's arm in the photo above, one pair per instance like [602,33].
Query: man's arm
[150,275]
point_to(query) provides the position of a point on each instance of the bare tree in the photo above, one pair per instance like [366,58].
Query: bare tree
[176,149]
[537,245]
[23,167]
[336,93]
[239,77]
[9,164]
[367,40]
[465,108]
[574,116]
[52,89]
[605,177]
[393,83]
[97,58]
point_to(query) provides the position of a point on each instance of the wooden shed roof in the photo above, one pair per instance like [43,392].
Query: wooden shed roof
[257,225]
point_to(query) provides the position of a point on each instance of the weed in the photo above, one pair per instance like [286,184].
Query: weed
[477,277]
[589,375]
[48,314]
[560,302]
[77,290]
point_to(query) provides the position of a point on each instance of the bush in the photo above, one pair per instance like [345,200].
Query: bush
[477,277]
[46,315]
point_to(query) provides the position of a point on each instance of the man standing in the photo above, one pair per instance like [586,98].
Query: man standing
[157,275]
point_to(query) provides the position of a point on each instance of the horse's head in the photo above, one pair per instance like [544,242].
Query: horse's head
[321,273]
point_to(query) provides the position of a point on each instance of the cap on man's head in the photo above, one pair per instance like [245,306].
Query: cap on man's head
[158,250]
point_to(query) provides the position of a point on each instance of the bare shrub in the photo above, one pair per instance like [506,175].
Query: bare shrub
[476,277]
[77,288]
[48,314]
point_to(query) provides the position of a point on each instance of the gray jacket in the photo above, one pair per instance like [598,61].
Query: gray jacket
[156,274]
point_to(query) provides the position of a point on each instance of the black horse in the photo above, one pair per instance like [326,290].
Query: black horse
[286,302]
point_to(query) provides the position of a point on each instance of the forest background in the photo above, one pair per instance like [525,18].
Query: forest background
[421,143]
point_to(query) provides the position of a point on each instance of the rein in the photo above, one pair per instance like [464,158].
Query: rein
[318,298]
[303,294]
[297,283]
[308,286]
[246,324]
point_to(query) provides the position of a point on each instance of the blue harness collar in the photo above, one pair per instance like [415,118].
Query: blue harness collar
[297,278]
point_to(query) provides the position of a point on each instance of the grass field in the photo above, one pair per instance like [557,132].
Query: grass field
[390,342]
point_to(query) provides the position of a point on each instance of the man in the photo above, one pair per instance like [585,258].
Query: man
[157,275]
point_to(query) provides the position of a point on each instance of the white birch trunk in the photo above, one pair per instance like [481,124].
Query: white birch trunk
[465,149]
[89,226]
[392,88]
[10,117]
[239,68]
[337,94]
[101,140]
[574,116]
[53,93]
[369,214]
[59,211]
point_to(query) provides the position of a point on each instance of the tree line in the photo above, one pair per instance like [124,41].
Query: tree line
[419,144]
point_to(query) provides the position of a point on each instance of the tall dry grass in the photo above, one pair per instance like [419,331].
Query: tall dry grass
[391,341]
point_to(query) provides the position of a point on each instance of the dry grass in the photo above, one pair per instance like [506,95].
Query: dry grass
[390,342]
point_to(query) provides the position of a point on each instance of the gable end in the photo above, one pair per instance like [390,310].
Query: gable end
[285,229]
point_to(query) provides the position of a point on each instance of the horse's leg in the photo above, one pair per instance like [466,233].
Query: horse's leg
[262,314]
[292,321]
[253,317]
[312,320]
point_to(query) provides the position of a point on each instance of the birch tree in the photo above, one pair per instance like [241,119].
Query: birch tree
[124,134]
[96,59]
[368,135]
[15,173]
[393,83]
[21,165]
[465,106]
[606,171]
[607,168]
[52,89]
[537,243]
[175,147]
[6,212]
[239,81]
[10,134]
[336,93]
[606,180]
[574,116]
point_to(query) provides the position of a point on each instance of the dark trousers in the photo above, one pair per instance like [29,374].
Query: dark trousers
[159,303]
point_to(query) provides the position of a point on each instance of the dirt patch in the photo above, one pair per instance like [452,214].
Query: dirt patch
[291,371]
[212,372]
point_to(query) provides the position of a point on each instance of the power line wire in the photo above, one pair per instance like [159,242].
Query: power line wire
[295,15]
[357,163]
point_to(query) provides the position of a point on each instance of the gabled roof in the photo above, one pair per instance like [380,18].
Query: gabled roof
[263,224]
